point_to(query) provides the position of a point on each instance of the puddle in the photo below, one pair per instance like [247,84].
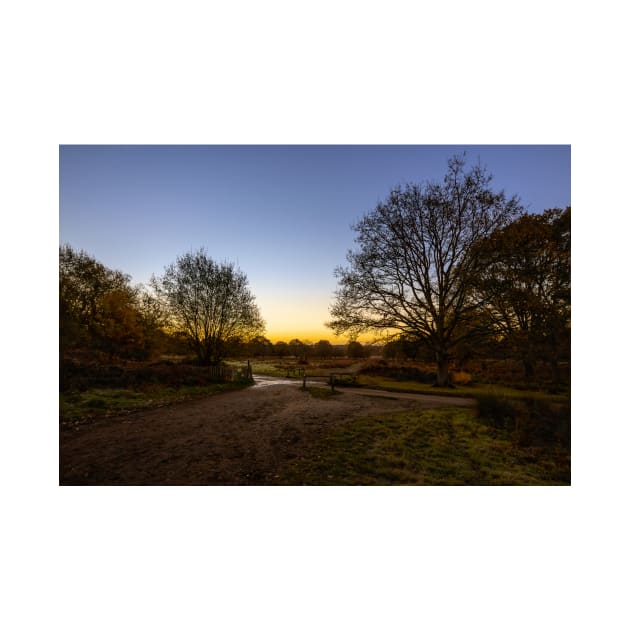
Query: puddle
[266,381]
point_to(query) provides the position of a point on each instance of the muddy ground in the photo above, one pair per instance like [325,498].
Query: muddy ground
[246,437]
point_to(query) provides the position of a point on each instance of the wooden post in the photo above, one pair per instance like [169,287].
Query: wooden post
[304,380]
[332,382]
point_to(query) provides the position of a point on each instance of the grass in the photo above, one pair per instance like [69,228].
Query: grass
[427,447]
[472,391]
[83,406]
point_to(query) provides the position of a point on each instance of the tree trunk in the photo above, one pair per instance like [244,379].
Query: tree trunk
[443,378]
[554,358]
[528,367]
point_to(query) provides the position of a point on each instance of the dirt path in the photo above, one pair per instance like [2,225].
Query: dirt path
[237,438]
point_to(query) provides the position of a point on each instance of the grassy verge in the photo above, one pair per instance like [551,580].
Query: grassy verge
[83,406]
[472,391]
[427,447]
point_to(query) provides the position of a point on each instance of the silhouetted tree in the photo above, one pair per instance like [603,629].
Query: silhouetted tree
[355,350]
[415,261]
[402,348]
[260,346]
[281,348]
[323,349]
[297,349]
[210,303]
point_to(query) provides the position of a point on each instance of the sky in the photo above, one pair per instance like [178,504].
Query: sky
[282,213]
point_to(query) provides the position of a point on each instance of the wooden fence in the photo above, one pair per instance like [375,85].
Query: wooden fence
[332,379]
[231,373]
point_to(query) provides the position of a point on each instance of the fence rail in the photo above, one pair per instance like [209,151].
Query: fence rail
[332,379]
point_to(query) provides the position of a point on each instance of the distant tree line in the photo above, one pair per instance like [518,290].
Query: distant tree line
[451,268]
[261,347]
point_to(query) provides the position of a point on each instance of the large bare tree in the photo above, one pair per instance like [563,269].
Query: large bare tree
[210,303]
[412,271]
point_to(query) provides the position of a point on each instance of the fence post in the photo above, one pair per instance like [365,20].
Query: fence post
[304,380]
[332,382]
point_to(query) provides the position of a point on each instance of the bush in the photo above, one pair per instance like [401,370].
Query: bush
[81,377]
[399,372]
[530,421]
[497,411]
[459,377]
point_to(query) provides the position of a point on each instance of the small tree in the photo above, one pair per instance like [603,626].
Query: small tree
[297,348]
[210,303]
[281,348]
[259,346]
[355,350]
[323,349]
[413,270]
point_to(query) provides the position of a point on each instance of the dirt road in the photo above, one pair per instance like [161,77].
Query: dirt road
[239,438]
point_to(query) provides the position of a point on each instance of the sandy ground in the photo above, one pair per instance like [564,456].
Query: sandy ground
[244,437]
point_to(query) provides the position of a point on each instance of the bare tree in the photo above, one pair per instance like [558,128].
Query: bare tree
[210,303]
[412,271]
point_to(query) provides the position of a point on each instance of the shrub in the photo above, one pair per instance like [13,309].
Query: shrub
[497,411]
[530,421]
[80,377]
[399,372]
[459,377]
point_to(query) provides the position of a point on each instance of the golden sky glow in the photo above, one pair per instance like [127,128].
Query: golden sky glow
[299,317]
[296,317]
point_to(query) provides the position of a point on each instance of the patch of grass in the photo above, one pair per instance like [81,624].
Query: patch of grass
[92,403]
[426,447]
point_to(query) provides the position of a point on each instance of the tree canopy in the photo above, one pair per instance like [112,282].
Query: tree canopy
[99,310]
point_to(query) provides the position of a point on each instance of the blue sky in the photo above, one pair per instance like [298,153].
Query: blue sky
[282,213]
